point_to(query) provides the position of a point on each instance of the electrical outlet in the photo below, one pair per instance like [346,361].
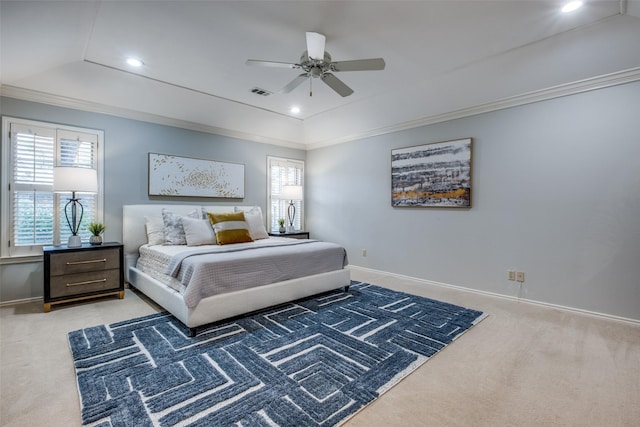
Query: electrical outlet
[511,275]
[520,276]
[364,252]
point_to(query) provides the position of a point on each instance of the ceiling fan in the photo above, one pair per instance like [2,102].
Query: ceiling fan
[316,63]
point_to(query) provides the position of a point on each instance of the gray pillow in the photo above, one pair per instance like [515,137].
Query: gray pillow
[173,228]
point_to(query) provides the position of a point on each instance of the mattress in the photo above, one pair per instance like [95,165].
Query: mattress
[203,271]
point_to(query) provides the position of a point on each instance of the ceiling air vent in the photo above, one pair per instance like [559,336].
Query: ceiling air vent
[261,92]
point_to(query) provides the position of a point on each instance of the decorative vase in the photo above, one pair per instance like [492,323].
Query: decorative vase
[282,229]
[95,240]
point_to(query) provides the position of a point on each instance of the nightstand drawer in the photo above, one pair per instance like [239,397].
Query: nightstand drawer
[81,283]
[80,262]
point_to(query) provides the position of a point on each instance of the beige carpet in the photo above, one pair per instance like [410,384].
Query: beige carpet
[524,365]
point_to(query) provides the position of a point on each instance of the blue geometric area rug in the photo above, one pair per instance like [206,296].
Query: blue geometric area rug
[313,362]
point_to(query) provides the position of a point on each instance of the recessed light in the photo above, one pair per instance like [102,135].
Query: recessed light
[134,62]
[571,6]
[295,110]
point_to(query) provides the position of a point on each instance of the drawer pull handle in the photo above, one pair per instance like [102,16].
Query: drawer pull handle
[87,262]
[88,282]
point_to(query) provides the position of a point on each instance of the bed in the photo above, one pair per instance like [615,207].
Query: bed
[199,308]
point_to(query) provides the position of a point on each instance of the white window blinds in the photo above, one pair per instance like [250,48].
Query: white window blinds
[32,200]
[284,172]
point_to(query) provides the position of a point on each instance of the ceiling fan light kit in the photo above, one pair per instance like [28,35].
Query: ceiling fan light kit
[317,63]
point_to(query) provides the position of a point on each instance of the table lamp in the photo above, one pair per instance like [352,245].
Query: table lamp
[291,193]
[75,180]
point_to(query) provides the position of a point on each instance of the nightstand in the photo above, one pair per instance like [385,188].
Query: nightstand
[72,274]
[291,234]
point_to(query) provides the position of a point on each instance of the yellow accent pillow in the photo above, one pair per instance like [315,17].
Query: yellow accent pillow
[230,227]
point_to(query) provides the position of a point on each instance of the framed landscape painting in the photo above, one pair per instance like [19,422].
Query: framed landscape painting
[432,175]
[184,176]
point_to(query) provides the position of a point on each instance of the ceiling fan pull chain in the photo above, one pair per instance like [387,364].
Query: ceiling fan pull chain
[310,86]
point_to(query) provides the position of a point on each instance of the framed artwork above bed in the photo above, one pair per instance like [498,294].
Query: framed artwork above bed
[184,176]
[432,175]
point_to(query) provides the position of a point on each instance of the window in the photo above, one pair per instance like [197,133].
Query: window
[32,214]
[284,172]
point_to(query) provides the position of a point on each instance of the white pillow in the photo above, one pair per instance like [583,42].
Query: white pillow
[198,232]
[155,230]
[253,217]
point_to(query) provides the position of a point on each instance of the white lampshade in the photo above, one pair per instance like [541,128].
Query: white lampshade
[291,192]
[81,180]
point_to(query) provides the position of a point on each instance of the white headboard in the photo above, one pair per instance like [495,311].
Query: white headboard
[134,232]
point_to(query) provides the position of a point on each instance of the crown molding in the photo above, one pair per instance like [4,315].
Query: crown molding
[580,86]
[594,83]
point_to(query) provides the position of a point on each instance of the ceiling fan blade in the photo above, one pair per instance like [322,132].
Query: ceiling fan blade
[315,45]
[294,83]
[336,84]
[372,64]
[271,64]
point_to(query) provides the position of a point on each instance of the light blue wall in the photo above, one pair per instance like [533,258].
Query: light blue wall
[556,189]
[126,147]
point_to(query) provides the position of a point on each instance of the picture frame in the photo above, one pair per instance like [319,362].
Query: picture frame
[432,175]
[171,175]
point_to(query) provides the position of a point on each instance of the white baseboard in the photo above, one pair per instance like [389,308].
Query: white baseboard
[21,301]
[496,295]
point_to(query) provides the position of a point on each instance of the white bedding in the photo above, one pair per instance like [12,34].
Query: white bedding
[211,270]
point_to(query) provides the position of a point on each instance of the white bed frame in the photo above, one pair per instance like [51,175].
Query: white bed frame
[216,307]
